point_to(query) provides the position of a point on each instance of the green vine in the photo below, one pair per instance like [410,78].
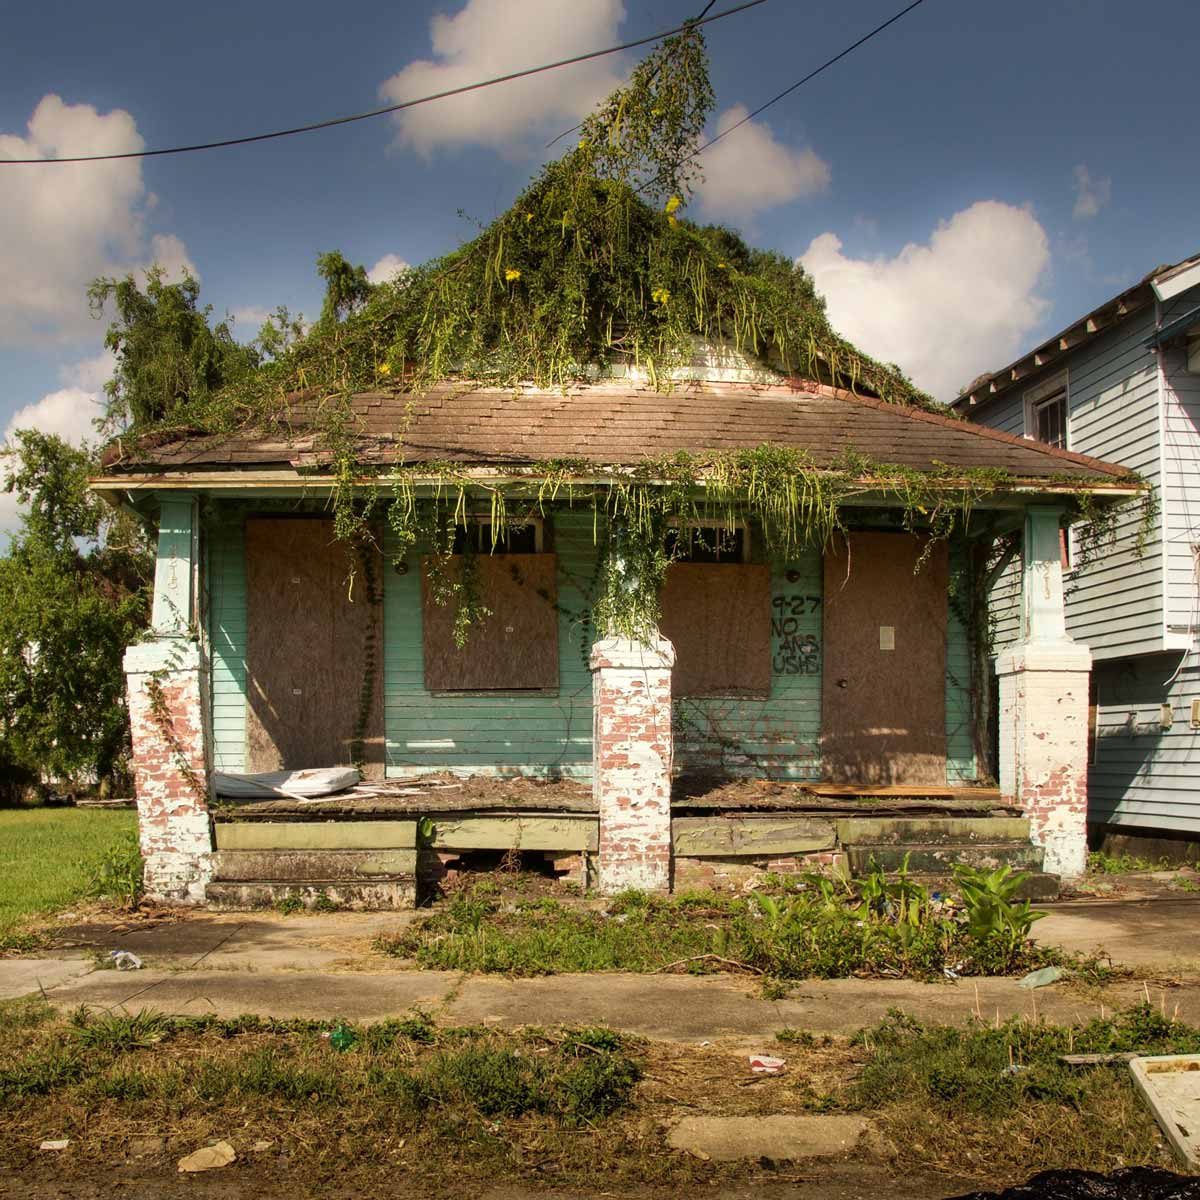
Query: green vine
[160,714]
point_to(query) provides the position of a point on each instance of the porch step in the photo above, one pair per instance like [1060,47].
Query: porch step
[940,860]
[381,895]
[931,831]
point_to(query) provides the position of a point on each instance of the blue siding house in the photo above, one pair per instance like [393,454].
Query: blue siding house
[1123,384]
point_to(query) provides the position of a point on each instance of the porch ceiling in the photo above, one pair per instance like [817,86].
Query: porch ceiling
[497,432]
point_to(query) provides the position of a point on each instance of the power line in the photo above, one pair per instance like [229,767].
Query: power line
[391,108]
[811,75]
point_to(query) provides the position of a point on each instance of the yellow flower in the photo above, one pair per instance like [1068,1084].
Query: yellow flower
[384,368]
[722,266]
[660,295]
[672,219]
[529,216]
[673,204]
[512,273]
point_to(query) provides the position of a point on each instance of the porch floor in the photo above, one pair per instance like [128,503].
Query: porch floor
[690,794]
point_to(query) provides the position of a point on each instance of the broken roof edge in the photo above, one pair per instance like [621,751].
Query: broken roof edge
[1024,369]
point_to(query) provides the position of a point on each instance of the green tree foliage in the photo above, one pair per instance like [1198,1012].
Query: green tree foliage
[168,354]
[346,288]
[73,595]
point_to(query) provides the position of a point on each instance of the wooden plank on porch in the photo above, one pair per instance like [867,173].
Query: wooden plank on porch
[723,837]
[316,835]
[515,833]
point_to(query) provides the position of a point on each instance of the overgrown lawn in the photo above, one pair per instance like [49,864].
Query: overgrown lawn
[50,857]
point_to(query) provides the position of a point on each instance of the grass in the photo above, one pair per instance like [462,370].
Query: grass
[50,857]
[1102,863]
[989,1098]
[334,1092]
[464,1109]
[814,929]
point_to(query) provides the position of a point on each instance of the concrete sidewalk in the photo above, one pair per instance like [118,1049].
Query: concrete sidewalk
[321,966]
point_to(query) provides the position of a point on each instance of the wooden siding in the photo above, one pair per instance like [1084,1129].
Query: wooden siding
[1146,776]
[1115,604]
[960,740]
[552,734]
[479,732]
[1181,478]
[227,639]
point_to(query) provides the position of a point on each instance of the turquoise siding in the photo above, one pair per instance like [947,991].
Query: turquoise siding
[552,734]
[513,734]
[227,639]
[960,742]
[777,737]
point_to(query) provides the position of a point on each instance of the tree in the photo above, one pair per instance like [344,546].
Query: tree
[168,355]
[347,288]
[74,592]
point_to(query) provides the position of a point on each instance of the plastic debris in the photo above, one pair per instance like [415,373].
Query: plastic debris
[261,1145]
[342,1037]
[208,1159]
[125,960]
[1037,979]
[55,1144]
[765,1064]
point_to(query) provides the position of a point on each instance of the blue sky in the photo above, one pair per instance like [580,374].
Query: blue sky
[969,181]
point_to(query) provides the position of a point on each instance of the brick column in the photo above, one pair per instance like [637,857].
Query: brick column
[166,681]
[1044,707]
[631,762]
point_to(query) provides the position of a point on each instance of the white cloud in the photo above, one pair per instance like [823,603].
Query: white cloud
[248,320]
[65,225]
[1091,195]
[387,268]
[168,252]
[68,412]
[963,303]
[752,170]
[494,37]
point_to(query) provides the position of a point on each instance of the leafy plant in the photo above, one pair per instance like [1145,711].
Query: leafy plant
[992,908]
[118,875]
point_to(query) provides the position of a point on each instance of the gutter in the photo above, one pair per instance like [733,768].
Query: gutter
[1172,329]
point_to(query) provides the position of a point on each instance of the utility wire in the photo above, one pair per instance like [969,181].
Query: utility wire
[391,108]
[811,75]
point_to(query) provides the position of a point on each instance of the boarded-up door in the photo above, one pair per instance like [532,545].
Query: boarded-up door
[884,680]
[314,654]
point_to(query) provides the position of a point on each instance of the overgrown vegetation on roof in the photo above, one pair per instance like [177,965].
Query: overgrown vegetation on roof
[593,263]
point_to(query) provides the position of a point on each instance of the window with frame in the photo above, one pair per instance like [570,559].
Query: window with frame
[716,611]
[514,648]
[1046,412]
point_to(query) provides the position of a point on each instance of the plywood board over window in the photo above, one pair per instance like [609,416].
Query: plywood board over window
[718,617]
[513,649]
[314,650]
[884,683]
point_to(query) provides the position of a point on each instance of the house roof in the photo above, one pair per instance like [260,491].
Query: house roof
[609,424]
[1163,282]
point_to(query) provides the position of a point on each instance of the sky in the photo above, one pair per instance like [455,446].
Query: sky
[968,182]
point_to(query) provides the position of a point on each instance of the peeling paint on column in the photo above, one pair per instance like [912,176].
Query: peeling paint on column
[631,772]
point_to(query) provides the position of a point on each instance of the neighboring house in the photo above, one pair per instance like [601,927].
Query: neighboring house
[841,669]
[1123,384]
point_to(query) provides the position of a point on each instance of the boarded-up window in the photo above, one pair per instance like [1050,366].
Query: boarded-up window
[718,617]
[513,649]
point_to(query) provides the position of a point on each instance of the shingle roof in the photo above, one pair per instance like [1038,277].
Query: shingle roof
[612,424]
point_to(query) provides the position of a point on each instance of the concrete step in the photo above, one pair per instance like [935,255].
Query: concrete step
[283,866]
[381,895]
[940,860]
[931,831]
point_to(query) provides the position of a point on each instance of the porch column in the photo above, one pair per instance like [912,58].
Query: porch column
[166,677]
[1044,706]
[631,761]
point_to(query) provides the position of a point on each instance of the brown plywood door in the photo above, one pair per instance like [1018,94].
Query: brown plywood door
[883,692]
[718,617]
[314,653]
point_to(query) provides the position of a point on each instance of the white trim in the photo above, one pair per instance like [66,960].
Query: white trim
[1172,285]
[1164,499]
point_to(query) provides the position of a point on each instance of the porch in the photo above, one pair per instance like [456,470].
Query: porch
[389,844]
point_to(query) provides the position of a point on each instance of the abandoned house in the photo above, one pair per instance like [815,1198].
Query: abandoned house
[808,695]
